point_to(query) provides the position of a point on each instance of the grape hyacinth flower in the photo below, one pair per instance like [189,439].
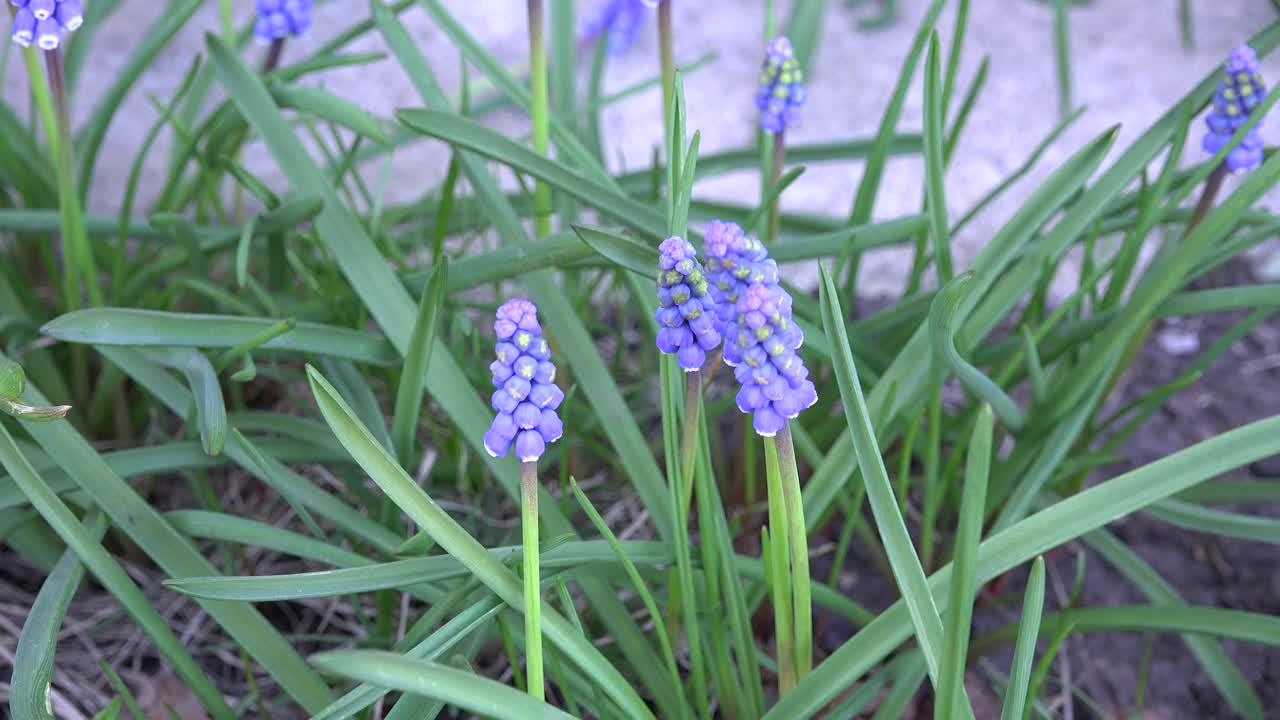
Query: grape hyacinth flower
[527,397]
[735,260]
[764,341]
[781,91]
[687,311]
[1238,94]
[278,19]
[622,19]
[45,21]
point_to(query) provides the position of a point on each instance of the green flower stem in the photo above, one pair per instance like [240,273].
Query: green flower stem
[226,13]
[778,559]
[532,583]
[666,58]
[78,256]
[799,546]
[689,437]
[541,113]
[775,174]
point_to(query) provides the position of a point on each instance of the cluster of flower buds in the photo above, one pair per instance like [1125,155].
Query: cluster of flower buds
[752,315]
[1238,94]
[686,310]
[527,396]
[781,91]
[278,19]
[44,22]
[621,19]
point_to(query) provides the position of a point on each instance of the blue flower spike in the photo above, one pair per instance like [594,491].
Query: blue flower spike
[621,19]
[735,260]
[1238,94]
[760,336]
[764,340]
[686,308]
[278,19]
[527,396]
[781,91]
[44,22]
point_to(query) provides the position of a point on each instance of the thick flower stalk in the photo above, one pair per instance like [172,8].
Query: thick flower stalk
[44,22]
[781,91]
[278,19]
[1238,94]
[621,19]
[686,308]
[527,397]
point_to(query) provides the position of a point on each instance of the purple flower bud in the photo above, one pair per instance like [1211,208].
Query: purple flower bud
[530,445]
[621,19]
[48,34]
[42,9]
[24,27]
[781,91]
[1240,91]
[278,19]
[527,396]
[687,310]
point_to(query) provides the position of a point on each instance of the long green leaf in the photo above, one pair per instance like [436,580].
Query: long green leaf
[1024,654]
[468,691]
[413,377]
[211,413]
[123,326]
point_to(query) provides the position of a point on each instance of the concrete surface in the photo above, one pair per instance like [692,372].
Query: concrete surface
[1129,68]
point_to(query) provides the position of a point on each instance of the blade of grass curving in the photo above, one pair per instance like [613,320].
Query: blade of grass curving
[951,692]
[1239,625]
[893,531]
[153,40]
[1033,535]
[413,377]
[1062,52]
[134,328]
[89,550]
[211,525]
[211,413]
[942,327]
[382,468]
[1024,654]
[33,657]
[465,690]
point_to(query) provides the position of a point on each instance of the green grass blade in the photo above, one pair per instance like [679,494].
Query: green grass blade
[368,577]
[906,566]
[332,108]
[413,378]
[1217,522]
[1033,535]
[466,690]
[804,29]
[1024,654]
[622,251]
[410,498]
[129,327]
[153,40]
[1217,664]
[89,550]
[33,657]
[951,692]
[934,163]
